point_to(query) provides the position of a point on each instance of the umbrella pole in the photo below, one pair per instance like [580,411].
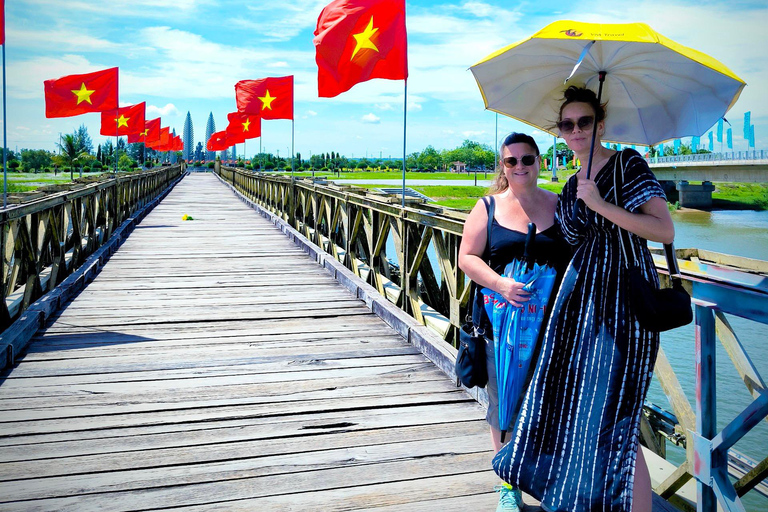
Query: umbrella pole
[579,203]
[601,78]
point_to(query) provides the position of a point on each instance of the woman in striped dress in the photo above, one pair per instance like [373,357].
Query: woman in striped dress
[575,445]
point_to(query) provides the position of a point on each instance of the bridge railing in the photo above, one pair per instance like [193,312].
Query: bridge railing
[724,157]
[46,239]
[354,226]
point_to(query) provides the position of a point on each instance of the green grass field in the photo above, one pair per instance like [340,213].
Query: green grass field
[732,196]
[737,196]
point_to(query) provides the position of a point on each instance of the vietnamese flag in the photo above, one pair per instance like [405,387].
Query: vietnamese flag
[162,139]
[126,121]
[243,126]
[73,95]
[357,40]
[219,141]
[269,98]
[2,21]
[150,133]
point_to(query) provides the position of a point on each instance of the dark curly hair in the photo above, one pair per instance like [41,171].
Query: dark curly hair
[575,94]
[500,183]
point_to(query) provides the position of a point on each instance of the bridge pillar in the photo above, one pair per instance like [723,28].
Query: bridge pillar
[670,190]
[695,196]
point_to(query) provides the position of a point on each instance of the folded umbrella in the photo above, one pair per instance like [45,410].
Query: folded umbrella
[516,330]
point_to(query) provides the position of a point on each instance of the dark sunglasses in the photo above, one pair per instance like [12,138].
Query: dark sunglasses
[584,123]
[511,161]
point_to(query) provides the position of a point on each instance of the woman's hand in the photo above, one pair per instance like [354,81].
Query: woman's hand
[586,190]
[512,291]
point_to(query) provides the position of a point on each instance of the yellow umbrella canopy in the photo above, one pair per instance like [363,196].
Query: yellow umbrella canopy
[655,88]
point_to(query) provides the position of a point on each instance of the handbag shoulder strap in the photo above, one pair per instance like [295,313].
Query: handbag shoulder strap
[490,206]
[669,249]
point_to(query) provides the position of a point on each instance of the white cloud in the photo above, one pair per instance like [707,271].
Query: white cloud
[473,133]
[480,9]
[371,119]
[384,106]
[279,64]
[167,110]
[311,113]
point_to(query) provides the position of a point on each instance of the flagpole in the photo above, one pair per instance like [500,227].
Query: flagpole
[496,147]
[117,124]
[5,140]
[405,110]
[292,125]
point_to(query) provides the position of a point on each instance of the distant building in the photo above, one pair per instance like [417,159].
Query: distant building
[189,139]
[210,129]
[458,167]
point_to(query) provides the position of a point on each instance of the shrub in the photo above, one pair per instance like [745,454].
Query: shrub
[197,163]
[269,166]
[324,169]
[211,165]
[13,164]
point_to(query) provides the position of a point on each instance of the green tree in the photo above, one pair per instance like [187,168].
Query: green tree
[429,158]
[562,151]
[81,134]
[36,159]
[11,155]
[126,162]
[73,152]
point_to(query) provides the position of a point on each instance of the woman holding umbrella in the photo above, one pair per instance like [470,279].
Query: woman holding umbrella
[576,441]
[518,202]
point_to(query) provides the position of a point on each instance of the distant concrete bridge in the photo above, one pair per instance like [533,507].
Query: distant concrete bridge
[675,173]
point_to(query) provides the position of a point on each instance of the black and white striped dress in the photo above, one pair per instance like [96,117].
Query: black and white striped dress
[575,441]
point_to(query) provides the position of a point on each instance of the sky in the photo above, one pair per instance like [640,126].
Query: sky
[186,56]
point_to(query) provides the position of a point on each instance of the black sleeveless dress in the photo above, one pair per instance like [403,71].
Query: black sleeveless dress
[507,245]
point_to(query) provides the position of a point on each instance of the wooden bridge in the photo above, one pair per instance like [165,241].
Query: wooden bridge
[198,370]
[217,372]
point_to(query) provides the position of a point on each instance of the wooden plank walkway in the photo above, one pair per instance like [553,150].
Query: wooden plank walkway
[213,366]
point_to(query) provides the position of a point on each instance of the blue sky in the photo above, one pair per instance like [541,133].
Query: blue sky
[186,55]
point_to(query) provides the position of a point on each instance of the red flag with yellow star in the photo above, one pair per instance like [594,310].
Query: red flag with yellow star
[269,98]
[73,95]
[150,133]
[243,126]
[126,121]
[358,40]
[219,141]
[162,140]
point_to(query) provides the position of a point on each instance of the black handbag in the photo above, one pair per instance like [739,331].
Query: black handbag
[471,369]
[656,309]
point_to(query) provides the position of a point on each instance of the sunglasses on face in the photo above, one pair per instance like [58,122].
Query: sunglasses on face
[511,161]
[584,123]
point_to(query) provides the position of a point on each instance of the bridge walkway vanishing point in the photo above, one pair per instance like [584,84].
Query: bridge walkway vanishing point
[212,365]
